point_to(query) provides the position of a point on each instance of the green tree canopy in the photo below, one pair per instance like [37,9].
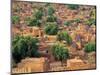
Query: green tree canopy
[51,19]
[51,29]
[60,52]
[34,22]
[24,47]
[50,10]
[67,23]
[15,19]
[73,6]
[38,14]
[63,35]
[89,47]
[90,21]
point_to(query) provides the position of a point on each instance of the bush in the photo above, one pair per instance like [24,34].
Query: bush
[51,29]
[51,18]
[90,47]
[93,14]
[67,23]
[77,20]
[38,14]
[47,4]
[34,22]
[90,22]
[24,47]
[60,52]
[64,36]
[73,6]
[15,19]
[50,23]
[50,10]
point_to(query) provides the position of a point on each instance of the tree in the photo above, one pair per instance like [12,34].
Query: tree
[60,52]
[67,23]
[73,6]
[24,47]
[51,19]
[51,29]
[34,22]
[63,35]
[38,14]
[90,21]
[47,4]
[77,20]
[32,46]
[15,19]
[17,52]
[50,10]
[89,47]
[93,14]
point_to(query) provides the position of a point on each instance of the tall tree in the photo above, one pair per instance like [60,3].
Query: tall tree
[60,52]
[63,35]
[24,47]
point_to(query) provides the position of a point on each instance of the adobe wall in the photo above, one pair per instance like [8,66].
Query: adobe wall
[32,65]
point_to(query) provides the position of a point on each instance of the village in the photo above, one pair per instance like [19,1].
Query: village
[73,22]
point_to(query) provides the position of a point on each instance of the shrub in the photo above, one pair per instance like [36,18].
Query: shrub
[51,29]
[34,22]
[50,10]
[67,23]
[15,19]
[47,4]
[90,47]
[60,52]
[93,14]
[50,23]
[64,36]
[73,6]
[77,20]
[51,18]
[24,47]
[38,14]
[90,22]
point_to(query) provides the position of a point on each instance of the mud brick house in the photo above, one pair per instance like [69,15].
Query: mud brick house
[91,57]
[76,64]
[29,31]
[51,38]
[15,31]
[37,32]
[32,65]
